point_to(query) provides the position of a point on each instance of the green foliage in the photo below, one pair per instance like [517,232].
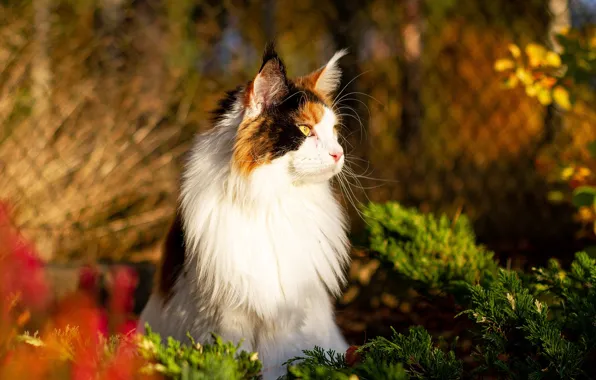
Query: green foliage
[575,295]
[521,339]
[579,53]
[319,364]
[432,252]
[218,360]
[421,359]
[584,196]
[411,356]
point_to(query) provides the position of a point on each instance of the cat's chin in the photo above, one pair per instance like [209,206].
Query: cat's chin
[317,178]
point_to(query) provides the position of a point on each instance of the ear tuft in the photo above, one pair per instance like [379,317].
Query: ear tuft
[270,85]
[326,79]
[269,53]
[331,76]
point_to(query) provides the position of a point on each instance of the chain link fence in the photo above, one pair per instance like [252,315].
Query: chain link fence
[99,101]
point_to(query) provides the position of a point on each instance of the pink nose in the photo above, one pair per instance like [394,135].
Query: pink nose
[336,155]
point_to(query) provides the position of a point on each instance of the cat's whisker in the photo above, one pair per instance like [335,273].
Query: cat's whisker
[359,101]
[349,108]
[366,176]
[349,196]
[345,140]
[361,93]
[365,170]
[352,158]
[356,117]
[289,97]
[346,86]
[350,174]
[361,129]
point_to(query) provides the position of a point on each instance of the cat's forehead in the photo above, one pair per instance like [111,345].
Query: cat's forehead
[310,113]
[306,106]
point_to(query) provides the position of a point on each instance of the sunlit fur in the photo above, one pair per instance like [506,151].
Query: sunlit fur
[265,238]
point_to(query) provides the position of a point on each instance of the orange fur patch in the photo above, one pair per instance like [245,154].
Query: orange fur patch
[251,149]
[309,82]
[310,114]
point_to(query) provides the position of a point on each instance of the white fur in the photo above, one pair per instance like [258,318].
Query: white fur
[263,252]
[331,74]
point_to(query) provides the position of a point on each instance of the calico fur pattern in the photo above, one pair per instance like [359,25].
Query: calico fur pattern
[259,245]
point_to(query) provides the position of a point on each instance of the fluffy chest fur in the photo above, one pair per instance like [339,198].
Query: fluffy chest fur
[259,241]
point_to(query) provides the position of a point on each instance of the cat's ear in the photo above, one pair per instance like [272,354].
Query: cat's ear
[326,79]
[270,85]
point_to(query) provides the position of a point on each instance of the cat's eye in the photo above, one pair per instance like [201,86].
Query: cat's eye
[305,129]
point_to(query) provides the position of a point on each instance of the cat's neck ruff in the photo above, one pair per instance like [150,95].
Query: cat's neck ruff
[258,241]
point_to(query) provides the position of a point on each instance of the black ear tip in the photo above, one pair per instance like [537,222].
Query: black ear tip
[270,54]
[269,51]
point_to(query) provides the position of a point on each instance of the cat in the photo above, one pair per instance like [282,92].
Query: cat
[259,245]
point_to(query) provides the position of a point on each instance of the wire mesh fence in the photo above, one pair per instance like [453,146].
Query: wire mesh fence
[99,101]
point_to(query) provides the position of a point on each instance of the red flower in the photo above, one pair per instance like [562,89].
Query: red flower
[128,327]
[89,279]
[22,270]
[122,287]
[125,364]
[103,324]
[352,357]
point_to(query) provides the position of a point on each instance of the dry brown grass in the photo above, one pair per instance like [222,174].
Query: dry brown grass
[95,175]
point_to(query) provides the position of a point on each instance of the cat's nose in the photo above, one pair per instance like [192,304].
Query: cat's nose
[336,155]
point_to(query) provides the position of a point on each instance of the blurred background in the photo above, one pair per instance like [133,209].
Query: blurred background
[100,100]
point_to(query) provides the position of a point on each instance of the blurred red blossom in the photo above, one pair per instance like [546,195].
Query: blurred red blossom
[352,356]
[89,279]
[122,282]
[22,270]
[75,336]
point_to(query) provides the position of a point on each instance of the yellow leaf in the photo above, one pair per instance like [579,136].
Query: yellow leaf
[567,173]
[544,97]
[504,64]
[561,96]
[553,59]
[524,76]
[531,90]
[515,51]
[536,54]
[511,81]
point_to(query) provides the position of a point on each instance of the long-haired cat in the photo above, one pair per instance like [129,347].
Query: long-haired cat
[259,245]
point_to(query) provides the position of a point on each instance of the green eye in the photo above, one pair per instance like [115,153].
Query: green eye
[306,130]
